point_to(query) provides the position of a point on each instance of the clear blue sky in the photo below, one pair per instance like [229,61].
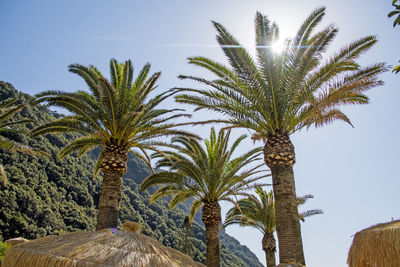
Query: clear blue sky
[353,173]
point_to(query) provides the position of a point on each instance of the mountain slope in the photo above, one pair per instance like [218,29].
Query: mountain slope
[47,196]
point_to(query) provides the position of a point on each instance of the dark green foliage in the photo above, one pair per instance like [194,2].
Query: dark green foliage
[46,196]
[187,245]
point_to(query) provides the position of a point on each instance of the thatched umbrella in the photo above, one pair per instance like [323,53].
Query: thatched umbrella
[102,248]
[376,246]
[16,241]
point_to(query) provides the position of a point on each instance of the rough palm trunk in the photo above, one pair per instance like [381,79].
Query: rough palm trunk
[269,247]
[113,168]
[211,216]
[279,156]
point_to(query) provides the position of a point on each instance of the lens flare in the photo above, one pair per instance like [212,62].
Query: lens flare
[278,47]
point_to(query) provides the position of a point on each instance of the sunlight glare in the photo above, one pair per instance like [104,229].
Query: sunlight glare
[278,47]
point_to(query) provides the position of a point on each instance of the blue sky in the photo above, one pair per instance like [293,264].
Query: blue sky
[353,173]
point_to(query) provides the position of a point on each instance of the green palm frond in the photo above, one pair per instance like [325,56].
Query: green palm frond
[300,201]
[396,69]
[14,146]
[396,22]
[395,12]
[205,173]
[194,208]
[7,110]
[86,143]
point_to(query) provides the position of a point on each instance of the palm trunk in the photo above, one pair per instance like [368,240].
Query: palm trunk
[269,247]
[110,198]
[113,168]
[211,216]
[279,156]
[270,257]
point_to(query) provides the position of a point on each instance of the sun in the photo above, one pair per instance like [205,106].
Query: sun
[278,47]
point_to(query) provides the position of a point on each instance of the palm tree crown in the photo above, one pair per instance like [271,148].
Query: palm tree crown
[207,176]
[256,212]
[117,112]
[259,212]
[285,91]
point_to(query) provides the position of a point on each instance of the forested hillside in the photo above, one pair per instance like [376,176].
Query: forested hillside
[46,196]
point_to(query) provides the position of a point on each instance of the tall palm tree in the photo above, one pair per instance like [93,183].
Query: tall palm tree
[117,116]
[206,175]
[8,109]
[260,214]
[281,94]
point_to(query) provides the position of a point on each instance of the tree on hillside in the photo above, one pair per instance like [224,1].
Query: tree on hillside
[396,22]
[8,108]
[206,175]
[187,232]
[281,94]
[259,212]
[119,117]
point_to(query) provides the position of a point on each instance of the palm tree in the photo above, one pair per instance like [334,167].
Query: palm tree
[260,214]
[8,109]
[187,232]
[207,176]
[117,116]
[281,94]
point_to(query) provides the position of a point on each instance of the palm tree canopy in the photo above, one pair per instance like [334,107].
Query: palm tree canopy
[256,212]
[206,174]
[259,212]
[299,87]
[116,111]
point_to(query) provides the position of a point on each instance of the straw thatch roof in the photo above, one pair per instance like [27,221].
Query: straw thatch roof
[376,246]
[102,248]
[15,241]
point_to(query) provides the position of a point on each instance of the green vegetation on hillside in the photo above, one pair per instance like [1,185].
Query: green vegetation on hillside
[47,196]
